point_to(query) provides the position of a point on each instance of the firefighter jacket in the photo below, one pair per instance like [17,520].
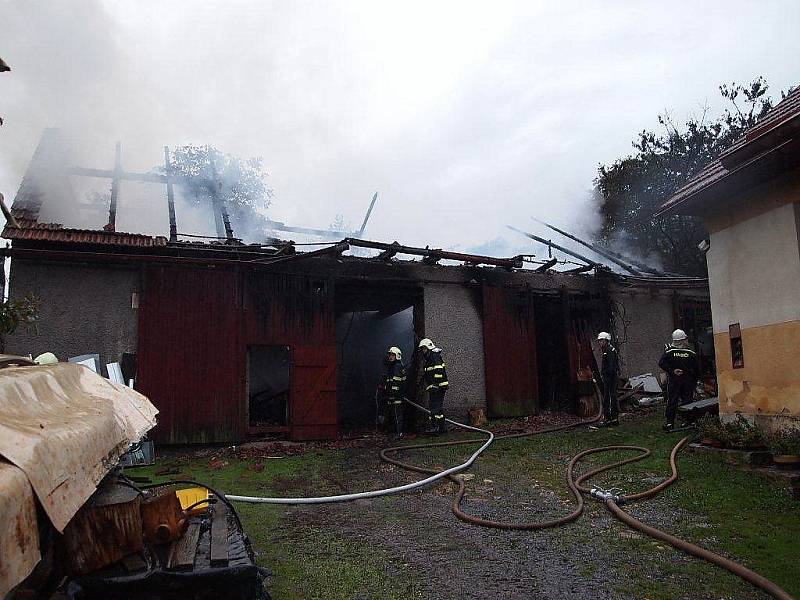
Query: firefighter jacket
[395,381]
[679,358]
[609,368]
[435,373]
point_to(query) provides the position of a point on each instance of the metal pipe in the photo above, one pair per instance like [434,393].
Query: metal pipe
[556,246]
[366,217]
[609,255]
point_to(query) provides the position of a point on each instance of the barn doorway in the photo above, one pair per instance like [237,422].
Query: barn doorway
[268,380]
[369,319]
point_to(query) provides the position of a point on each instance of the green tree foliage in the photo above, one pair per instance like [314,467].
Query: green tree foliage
[632,188]
[240,183]
[14,313]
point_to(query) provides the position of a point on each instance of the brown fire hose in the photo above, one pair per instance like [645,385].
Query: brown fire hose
[610,500]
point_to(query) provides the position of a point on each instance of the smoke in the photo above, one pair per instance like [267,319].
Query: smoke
[464,116]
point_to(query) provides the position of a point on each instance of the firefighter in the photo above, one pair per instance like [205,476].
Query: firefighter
[679,362]
[394,385]
[609,373]
[436,384]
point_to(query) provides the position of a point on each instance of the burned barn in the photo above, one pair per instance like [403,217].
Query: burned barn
[231,340]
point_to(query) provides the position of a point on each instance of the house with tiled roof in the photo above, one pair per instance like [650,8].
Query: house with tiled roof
[749,200]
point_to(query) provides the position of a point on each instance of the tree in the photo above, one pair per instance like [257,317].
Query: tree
[633,188]
[14,313]
[239,183]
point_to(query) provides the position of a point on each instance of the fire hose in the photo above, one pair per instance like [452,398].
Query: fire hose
[436,475]
[611,500]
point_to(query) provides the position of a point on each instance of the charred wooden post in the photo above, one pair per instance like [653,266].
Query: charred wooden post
[173,227]
[221,217]
[116,180]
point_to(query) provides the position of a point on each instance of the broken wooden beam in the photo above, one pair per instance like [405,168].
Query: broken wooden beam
[546,266]
[183,550]
[435,255]
[552,244]
[219,535]
[173,227]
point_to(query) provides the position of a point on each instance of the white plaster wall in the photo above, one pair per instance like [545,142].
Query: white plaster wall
[644,323]
[454,321]
[754,271]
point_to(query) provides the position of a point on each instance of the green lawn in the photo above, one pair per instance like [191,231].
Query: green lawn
[317,552]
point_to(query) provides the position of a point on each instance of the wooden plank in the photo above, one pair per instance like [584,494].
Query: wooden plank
[219,536]
[181,555]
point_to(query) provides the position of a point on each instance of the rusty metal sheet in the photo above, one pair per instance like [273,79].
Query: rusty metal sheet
[190,361]
[509,338]
[65,427]
[19,534]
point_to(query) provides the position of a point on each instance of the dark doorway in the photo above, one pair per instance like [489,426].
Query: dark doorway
[268,386]
[369,319]
[555,387]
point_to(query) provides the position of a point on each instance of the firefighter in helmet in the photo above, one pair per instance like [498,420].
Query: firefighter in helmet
[394,386]
[609,372]
[436,384]
[680,364]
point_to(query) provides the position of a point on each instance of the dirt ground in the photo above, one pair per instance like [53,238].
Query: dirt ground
[411,546]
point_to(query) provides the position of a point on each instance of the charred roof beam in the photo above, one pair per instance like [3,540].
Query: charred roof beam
[431,256]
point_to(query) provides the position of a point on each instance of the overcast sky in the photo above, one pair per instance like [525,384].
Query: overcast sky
[463,116]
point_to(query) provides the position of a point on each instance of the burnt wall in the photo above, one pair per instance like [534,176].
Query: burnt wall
[643,323]
[453,320]
[83,310]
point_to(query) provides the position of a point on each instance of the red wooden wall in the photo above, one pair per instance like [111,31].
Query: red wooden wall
[509,340]
[195,325]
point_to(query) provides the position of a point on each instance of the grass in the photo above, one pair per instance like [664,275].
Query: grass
[713,504]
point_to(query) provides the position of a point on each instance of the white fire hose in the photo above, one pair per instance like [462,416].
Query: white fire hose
[375,493]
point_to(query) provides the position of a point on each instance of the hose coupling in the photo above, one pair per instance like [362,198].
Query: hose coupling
[603,495]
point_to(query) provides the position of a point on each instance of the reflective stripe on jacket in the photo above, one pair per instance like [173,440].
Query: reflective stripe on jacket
[395,381]
[435,372]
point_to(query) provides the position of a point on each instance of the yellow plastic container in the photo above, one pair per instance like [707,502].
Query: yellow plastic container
[190,496]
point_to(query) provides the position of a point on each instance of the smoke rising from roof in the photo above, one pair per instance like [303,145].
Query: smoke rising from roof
[464,116]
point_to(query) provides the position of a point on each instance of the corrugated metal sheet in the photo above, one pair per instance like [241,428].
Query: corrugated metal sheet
[194,329]
[189,359]
[509,338]
[65,426]
[19,532]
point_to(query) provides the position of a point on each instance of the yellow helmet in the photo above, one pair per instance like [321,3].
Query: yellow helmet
[398,354]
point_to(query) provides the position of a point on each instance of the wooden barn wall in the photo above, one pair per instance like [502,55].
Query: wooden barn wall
[509,337]
[194,328]
[297,311]
[189,356]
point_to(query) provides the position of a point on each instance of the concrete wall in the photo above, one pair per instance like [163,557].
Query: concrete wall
[83,310]
[754,272]
[644,323]
[454,321]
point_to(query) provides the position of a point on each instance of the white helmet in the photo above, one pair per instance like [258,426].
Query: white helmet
[679,335]
[426,343]
[604,335]
[398,354]
[48,358]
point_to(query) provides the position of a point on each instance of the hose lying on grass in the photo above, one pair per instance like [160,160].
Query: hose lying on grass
[612,501]
[436,475]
